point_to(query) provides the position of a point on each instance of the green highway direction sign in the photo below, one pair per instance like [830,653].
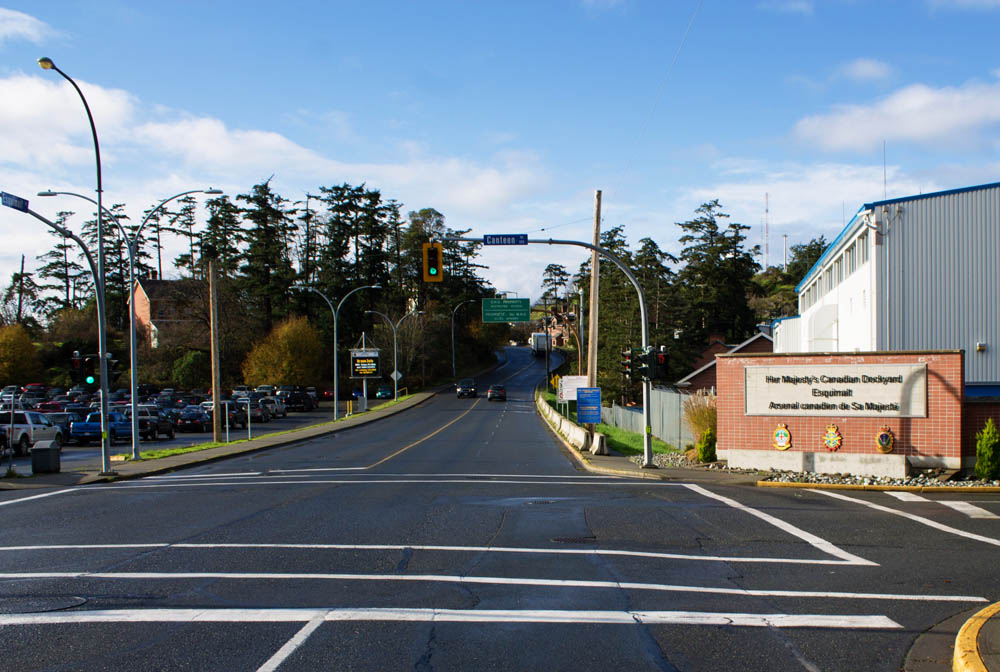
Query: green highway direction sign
[506,310]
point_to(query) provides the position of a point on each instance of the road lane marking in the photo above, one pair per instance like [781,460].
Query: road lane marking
[292,645]
[376,481]
[447,549]
[811,539]
[916,519]
[907,496]
[828,621]
[383,474]
[421,440]
[47,494]
[487,580]
[971,510]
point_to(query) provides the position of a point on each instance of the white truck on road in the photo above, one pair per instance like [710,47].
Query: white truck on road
[539,343]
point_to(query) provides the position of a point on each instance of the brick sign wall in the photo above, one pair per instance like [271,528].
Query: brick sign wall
[932,434]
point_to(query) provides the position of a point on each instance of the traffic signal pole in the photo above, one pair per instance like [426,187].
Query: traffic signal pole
[647,435]
[99,294]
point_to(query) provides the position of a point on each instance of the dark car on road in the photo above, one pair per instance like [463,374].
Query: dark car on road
[466,388]
[383,392]
[498,392]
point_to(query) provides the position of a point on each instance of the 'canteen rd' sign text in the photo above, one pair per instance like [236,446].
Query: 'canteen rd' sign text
[847,390]
[505,239]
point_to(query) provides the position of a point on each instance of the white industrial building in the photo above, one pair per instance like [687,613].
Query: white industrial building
[914,273]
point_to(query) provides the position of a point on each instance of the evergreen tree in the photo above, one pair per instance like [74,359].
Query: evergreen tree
[67,278]
[716,281]
[267,269]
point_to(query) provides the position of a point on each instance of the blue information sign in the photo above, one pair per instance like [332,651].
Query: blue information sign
[588,405]
[505,239]
[12,201]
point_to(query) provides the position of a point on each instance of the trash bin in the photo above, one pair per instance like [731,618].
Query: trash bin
[45,457]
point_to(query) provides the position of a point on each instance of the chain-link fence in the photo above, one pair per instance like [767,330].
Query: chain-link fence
[666,409]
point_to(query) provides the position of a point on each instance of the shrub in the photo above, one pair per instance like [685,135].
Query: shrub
[706,446]
[699,413]
[988,452]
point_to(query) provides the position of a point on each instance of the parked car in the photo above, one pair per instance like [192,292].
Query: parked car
[266,390]
[241,390]
[498,392]
[258,412]
[50,406]
[231,413]
[329,393]
[194,419]
[85,431]
[153,422]
[466,388]
[311,391]
[298,401]
[276,407]
[384,392]
[30,427]
[63,420]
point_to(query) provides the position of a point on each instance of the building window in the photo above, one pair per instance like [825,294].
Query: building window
[863,247]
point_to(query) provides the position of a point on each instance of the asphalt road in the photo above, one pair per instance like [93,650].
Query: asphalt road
[458,536]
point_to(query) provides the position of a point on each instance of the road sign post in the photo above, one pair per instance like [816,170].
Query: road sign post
[588,405]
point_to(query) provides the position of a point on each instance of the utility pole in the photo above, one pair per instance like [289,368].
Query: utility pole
[213,309]
[595,272]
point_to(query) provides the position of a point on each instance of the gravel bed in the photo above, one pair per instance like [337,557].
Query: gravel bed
[924,478]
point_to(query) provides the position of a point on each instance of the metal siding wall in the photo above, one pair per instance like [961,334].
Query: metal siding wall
[944,287]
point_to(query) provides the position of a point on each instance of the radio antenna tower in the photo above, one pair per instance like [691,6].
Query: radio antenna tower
[767,230]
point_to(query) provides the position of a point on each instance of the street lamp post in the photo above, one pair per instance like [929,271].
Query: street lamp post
[132,244]
[454,371]
[395,330]
[99,294]
[336,311]
[102,337]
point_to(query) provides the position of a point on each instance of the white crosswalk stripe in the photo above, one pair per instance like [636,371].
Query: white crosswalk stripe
[967,508]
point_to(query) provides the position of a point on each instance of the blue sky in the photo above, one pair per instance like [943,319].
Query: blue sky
[506,116]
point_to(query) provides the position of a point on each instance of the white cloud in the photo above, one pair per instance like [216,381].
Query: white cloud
[866,69]
[917,113]
[18,25]
[150,152]
[804,7]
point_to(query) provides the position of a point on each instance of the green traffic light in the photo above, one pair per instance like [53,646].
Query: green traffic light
[90,380]
[432,271]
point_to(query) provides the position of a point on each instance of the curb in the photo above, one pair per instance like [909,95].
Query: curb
[967,658]
[880,488]
[198,458]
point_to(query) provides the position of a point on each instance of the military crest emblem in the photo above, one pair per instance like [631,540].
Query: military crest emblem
[832,439]
[884,440]
[782,437]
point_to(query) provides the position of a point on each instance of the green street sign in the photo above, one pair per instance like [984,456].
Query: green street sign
[506,310]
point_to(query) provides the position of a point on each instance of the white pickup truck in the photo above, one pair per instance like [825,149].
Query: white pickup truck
[30,427]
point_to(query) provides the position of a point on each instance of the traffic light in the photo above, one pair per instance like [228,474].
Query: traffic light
[627,363]
[74,371]
[661,364]
[641,357]
[433,262]
[114,370]
[89,377]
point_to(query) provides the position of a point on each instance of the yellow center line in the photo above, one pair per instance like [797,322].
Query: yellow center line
[419,441]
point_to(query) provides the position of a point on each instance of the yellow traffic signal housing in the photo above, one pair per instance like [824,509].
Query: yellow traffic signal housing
[433,262]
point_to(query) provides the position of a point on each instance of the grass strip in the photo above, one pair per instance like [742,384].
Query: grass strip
[181,450]
[619,440]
